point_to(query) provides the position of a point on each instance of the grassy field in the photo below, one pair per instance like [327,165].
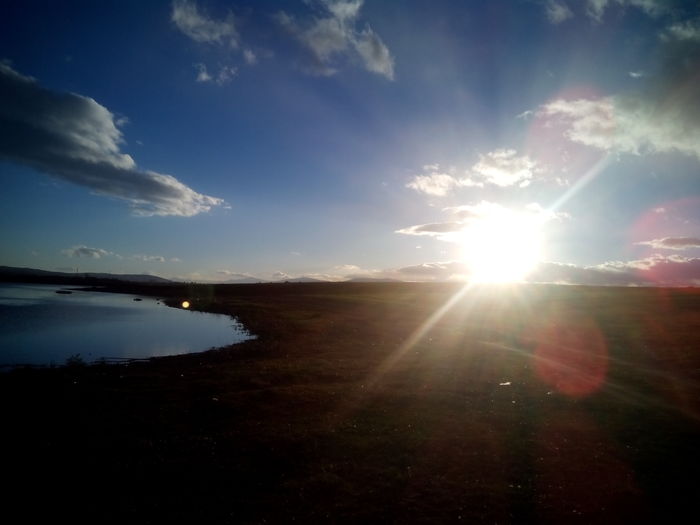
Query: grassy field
[384,402]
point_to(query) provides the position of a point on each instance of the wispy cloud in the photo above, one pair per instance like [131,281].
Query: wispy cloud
[435,229]
[86,252]
[436,183]
[250,57]
[82,251]
[557,11]
[224,76]
[673,243]
[504,167]
[501,167]
[76,139]
[149,258]
[332,34]
[596,8]
[200,27]
[687,30]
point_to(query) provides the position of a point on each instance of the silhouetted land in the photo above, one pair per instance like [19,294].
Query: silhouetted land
[524,404]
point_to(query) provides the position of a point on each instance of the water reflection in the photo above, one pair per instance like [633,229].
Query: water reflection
[39,326]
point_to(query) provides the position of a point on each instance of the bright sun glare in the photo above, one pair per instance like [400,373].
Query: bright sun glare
[502,247]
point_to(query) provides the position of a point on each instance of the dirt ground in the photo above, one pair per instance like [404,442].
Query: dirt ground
[376,402]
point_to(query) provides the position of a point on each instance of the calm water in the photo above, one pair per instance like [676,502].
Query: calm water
[39,326]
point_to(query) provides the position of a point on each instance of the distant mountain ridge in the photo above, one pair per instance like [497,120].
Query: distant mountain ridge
[14,274]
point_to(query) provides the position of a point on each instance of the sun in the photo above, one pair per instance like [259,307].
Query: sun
[502,246]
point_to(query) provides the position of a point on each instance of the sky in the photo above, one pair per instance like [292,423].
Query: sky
[210,140]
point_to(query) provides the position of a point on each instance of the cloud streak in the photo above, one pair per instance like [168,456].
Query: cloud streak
[673,243]
[74,138]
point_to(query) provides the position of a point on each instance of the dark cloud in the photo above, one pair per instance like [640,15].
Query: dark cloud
[76,139]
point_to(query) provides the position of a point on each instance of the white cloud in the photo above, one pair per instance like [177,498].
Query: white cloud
[333,35]
[557,11]
[202,73]
[687,30]
[596,8]
[673,243]
[374,53]
[441,230]
[75,139]
[629,124]
[200,27]
[636,74]
[249,57]
[525,115]
[662,118]
[149,258]
[226,73]
[86,252]
[503,167]
[224,76]
[437,184]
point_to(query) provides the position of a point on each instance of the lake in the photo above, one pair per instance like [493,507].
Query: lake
[40,327]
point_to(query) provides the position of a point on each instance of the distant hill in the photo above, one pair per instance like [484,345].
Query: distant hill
[12,274]
[372,280]
[302,280]
[245,280]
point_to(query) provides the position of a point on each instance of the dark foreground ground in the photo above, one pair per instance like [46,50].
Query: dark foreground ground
[530,404]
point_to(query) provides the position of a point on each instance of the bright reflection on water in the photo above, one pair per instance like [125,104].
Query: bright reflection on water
[39,326]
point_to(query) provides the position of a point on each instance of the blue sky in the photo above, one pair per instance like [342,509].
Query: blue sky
[211,140]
